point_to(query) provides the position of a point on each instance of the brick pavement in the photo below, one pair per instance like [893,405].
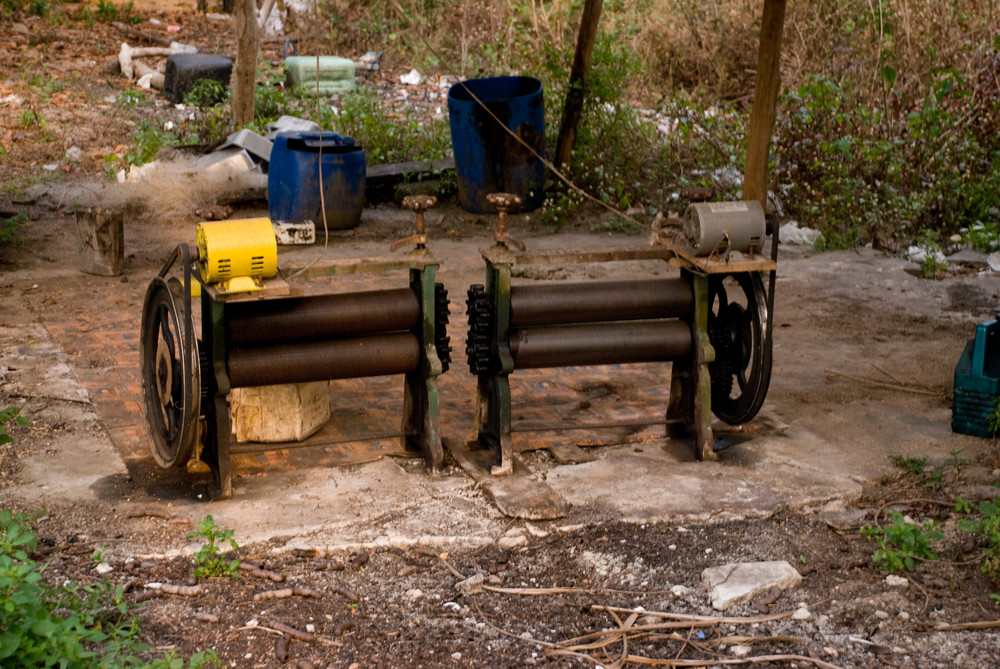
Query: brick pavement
[100,337]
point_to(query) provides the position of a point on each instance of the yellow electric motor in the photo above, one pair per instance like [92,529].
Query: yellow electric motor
[232,249]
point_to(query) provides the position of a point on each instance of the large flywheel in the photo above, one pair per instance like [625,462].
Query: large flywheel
[737,329]
[171,372]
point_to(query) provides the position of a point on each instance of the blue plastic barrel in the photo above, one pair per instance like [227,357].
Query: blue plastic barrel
[487,158]
[293,179]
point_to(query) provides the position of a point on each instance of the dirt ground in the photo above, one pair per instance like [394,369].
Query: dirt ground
[863,363]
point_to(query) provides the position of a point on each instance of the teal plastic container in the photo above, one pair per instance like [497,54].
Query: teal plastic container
[293,179]
[977,382]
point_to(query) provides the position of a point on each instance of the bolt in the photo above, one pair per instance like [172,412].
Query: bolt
[503,202]
[419,204]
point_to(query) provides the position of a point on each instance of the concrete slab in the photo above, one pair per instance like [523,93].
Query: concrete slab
[738,583]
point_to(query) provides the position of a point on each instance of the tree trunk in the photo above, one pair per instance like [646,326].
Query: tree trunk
[248,36]
[577,82]
[764,99]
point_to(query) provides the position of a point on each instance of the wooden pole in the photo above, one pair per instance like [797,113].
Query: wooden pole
[573,107]
[764,99]
[248,38]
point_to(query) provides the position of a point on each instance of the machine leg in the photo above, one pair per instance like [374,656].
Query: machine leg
[493,421]
[689,410]
[701,380]
[420,419]
[216,451]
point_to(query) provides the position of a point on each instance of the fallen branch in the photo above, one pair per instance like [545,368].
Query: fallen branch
[206,617]
[904,387]
[266,574]
[285,593]
[185,590]
[689,616]
[979,625]
[149,513]
[136,34]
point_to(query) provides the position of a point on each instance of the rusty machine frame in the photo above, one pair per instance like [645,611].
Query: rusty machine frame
[281,335]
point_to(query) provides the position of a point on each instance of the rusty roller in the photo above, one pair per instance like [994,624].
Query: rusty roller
[600,301]
[600,344]
[321,317]
[374,355]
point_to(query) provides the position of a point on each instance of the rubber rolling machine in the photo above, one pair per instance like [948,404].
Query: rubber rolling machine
[712,322]
[257,329]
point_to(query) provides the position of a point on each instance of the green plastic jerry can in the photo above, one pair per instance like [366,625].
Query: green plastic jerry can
[336,74]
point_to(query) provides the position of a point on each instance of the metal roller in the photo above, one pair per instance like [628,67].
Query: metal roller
[374,355]
[321,317]
[599,344]
[553,304]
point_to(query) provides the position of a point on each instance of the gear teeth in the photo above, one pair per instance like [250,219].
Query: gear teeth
[477,346]
[442,342]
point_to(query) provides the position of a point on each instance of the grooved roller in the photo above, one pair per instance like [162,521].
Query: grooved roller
[600,344]
[555,304]
[374,355]
[321,317]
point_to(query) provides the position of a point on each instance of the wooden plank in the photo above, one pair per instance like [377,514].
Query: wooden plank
[573,108]
[764,99]
[583,254]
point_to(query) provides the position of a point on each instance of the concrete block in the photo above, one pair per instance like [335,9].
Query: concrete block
[291,124]
[290,412]
[253,143]
[739,583]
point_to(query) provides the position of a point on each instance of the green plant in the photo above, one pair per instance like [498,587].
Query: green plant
[912,465]
[107,11]
[71,625]
[211,557]
[8,234]
[386,139]
[149,139]
[901,542]
[206,93]
[986,528]
[993,418]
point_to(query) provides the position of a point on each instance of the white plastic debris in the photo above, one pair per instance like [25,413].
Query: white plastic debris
[411,78]
[51,167]
[74,153]
[920,252]
[145,81]
[791,233]
[993,260]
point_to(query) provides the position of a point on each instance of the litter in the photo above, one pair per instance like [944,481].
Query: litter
[791,233]
[411,78]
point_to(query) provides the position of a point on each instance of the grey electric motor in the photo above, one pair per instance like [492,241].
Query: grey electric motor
[720,226]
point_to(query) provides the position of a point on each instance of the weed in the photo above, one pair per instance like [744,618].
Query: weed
[30,118]
[149,139]
[993,418]
[206,93]
[995,597]
[385,139]
[912,465]
[8,415]
[901,542]
[9,235]
[619,225]
[986,528]
[211,557]
[72,625]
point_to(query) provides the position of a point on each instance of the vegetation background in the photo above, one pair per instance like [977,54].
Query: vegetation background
[887,127]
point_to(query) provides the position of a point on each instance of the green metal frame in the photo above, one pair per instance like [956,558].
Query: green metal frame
[689,410]
[421,399]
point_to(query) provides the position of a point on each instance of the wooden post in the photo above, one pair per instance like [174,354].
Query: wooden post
[248,38]
[577,82]
[764,99]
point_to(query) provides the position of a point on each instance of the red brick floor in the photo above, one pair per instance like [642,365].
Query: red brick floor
[102,346]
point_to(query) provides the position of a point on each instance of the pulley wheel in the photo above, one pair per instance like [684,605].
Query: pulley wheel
[171,373]
[737,329]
